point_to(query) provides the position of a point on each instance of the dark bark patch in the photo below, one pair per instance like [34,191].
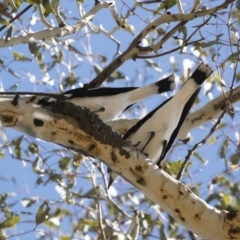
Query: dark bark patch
[32,99]
[165,196]
[70,141]
[232,214]
[7,119]
[15,100]
[141,181]
[138,168]
[182,218]
[38,122]
[91,147]
[197,216]
[114,157]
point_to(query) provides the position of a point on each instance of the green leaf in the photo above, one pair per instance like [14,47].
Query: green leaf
[91,192]
[64,163]
[97,69]
[33,147]
[28,202]
[218,79]
[71,80]
[36,166]
[43,213]
[76,162]
[198,156]
[33,46]
[34,1]
[65,237]
[61,212]
[124,25]
[20,57]
[183,30]
[3,21]
[166,5]
[3,199]
[16,5]
[51,224]
[233,58]
[10,222]
[48,7]
[235,158]
[116,75]
[9,33]
[1,155]
[17,149]
[212,140]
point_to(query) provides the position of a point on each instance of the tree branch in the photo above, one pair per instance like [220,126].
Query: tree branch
[57,31]
[79,129]
[135,50]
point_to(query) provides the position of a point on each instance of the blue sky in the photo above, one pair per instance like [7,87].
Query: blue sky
[17,177]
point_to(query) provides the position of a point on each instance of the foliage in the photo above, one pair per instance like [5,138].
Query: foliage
[49,192]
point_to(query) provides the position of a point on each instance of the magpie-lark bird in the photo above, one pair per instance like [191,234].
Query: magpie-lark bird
[155,133]
[106,102]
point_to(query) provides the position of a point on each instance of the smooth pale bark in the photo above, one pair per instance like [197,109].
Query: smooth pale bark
[84,132]
[208,112]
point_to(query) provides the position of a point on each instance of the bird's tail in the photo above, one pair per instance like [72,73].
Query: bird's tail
[161,86]
[201,73]
[194,82]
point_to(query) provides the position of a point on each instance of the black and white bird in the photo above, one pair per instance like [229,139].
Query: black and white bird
[106,102]
[156,132]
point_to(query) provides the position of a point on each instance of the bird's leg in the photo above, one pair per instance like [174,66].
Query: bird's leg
[164,144]
[152,134]
[102,109]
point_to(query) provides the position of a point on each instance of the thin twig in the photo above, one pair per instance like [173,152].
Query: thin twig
[16,17]
[135,50]
[168,52]
[197,145]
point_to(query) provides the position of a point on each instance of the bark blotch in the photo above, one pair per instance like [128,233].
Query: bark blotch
[31,99]
[141,181]
[197,216]
[91,147]
[165,196]
[138,168]
[7,119]
[114,157]
[234,231]
[198,118]
[181,193]
[15,101]
[38,122]
[182,218]
[232,214]
[70,141]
